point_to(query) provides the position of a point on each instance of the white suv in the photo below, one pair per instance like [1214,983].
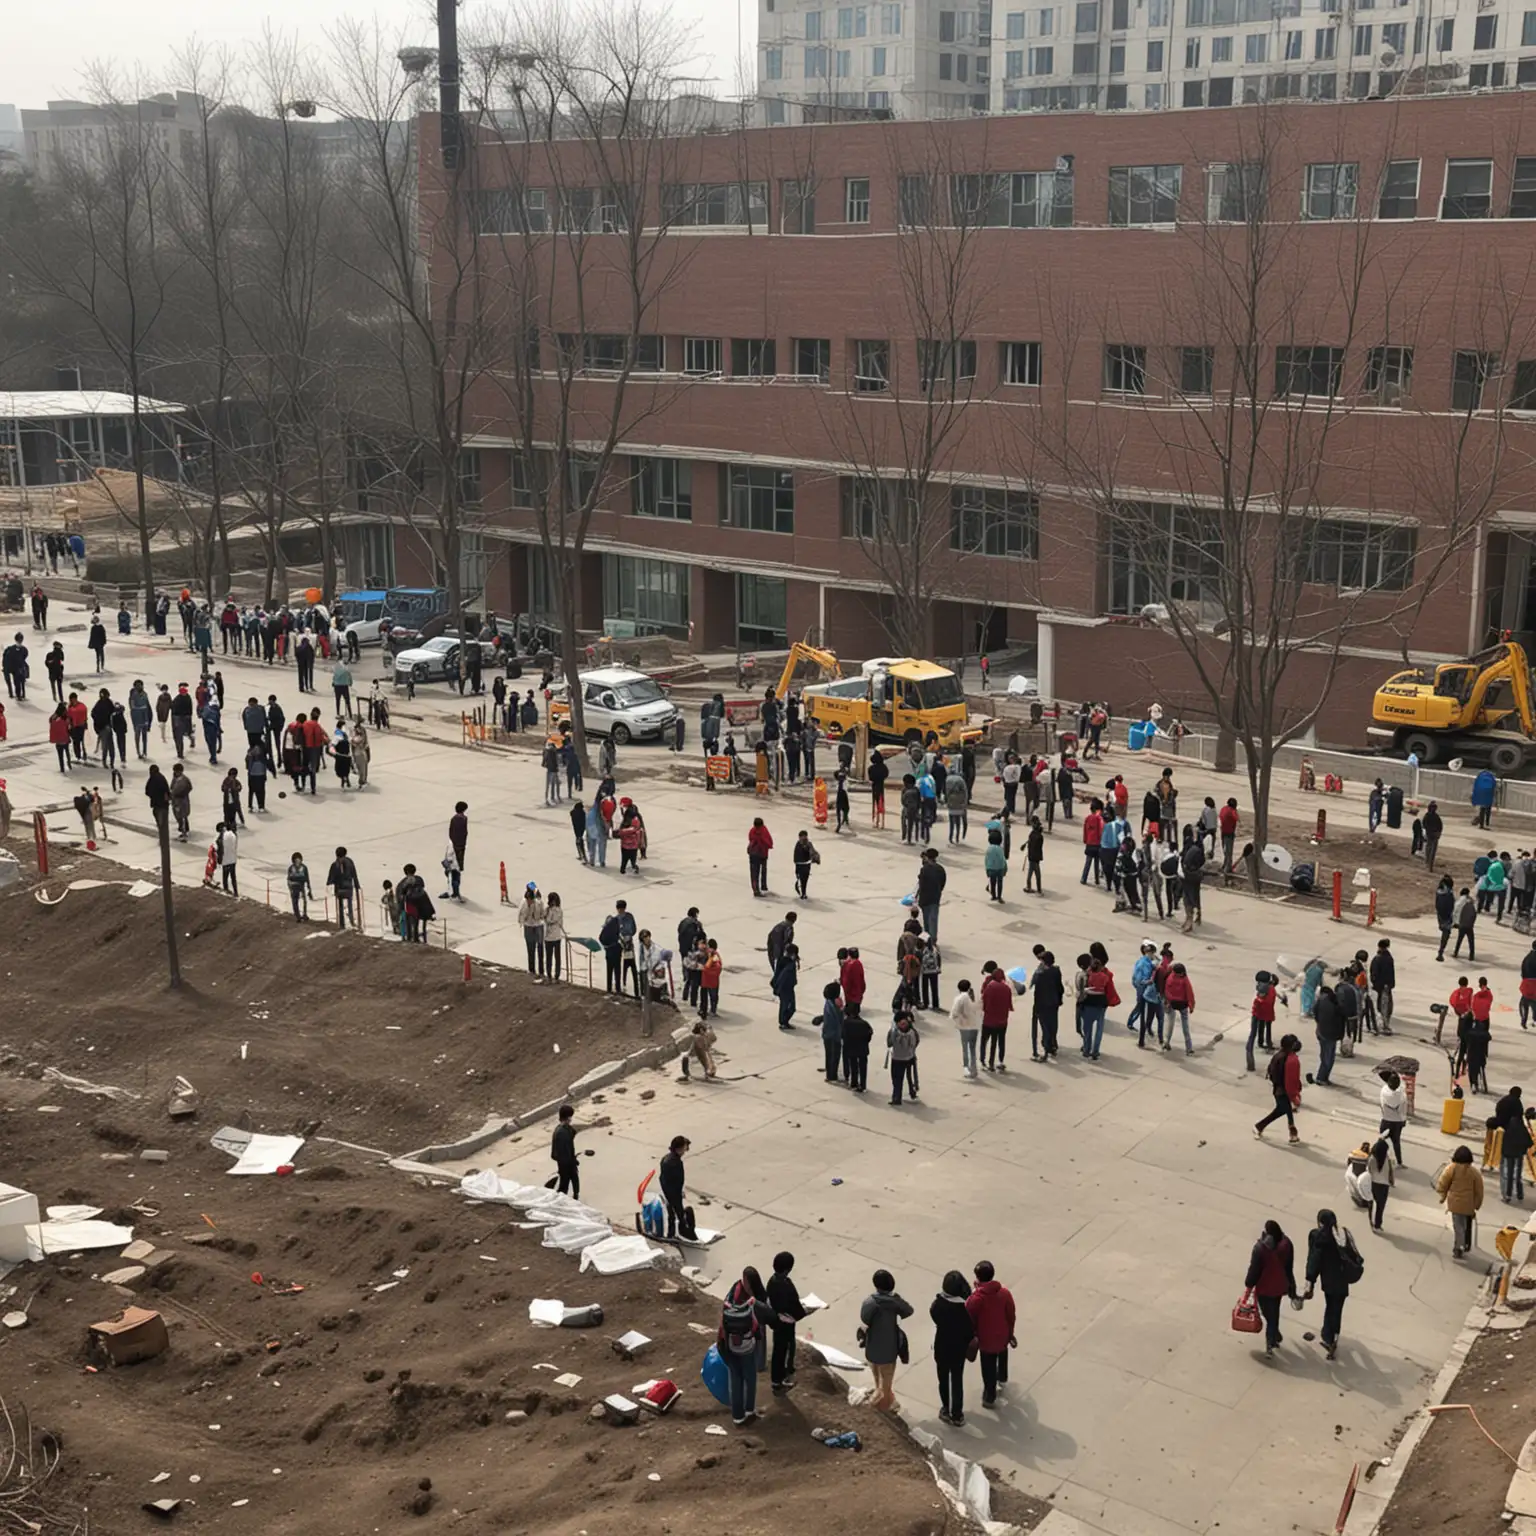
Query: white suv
[625,705]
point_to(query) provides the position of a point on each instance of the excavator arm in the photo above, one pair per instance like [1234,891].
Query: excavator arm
[806,664]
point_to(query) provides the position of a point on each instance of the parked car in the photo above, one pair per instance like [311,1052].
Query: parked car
[623,704]
[437,659]
[363,612]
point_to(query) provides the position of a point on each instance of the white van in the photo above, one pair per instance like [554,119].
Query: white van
[625,705]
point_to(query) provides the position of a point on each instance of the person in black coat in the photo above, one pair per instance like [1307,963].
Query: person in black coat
[97,642]
[670,1177]
[1383,974]
[1433,828]
[858,1033]
[954,1333]
[1445,902]
[787,1311]
[1329,1018]
[1049,990]
[1331,1258]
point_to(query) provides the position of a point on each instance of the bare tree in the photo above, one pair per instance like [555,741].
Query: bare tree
[1229,426]
[585,178]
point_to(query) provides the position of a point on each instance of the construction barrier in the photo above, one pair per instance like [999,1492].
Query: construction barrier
[506,900]
[819,802]
[40,840]
[1338,895]
[466,967]
[1322,826]
[1370,912]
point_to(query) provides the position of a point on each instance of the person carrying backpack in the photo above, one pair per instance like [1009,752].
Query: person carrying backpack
[1335,1263]
[1284,1074]
[740,1340]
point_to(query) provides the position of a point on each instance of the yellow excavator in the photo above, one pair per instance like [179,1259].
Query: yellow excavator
[1480,709]
[897,697]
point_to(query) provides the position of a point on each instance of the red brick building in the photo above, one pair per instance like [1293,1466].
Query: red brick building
[1298,337]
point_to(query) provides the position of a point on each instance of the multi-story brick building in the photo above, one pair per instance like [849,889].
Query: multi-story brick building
[945,58]
[1243,361]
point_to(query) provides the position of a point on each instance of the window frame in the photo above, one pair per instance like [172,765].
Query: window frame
[871,366]
[1312,363]
[1028,352]
[1389,374]
[742,204]
[1362,540]
[1457,207]
[995,522]
[691,369]
[742,507]
[754,357]
[853,202]
[1125,369]
[1470,384]
[1333,196]
[1399,198]
[1162,194]
[823,370]
[650,492]
[1205,359]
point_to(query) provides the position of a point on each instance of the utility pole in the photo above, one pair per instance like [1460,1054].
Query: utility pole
[167,897]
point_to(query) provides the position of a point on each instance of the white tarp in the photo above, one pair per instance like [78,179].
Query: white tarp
[573,1236]
[48,1237]
[617,1255]
[543,1207]
[543,1313]
[266,1154]
[834,1356]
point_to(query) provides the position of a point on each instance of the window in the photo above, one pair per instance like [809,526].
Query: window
[1162,554]
[1358,557]
[1470,371]
[519,481]
[890,20]
[845,21]
[1013,63]
[818,63]
[1087,16]
[1047,25]
[1155,56]
[1527,30]
[509,211]
[1399,190]
[1325,43]
[1359,84]
[1157,13]
[1328,192]
[1119,15]
[1256,48]
[582,473]
[1085,58]
[1522,189]
[773,64]
[813,357]
[813,26]
[1197,368]
[961,62]
[752,359]
[871,366]
[1485,32]
[941,363]
[878,101]
[1468,189]
[703,356]
[610,354]
[650,594]
[797,207]
[1221,50]
[877,58]
[1042,61]
[1221,92]
[469,477]
[1389,373]
[776,113]
[946,26]
[762,621]
[844,63]
[1014,27]
[1522,395]
[1479,76]
[1362,45]
[1125,369]
[1020,362]
[1306,371]
[1234,194]
[578,210]
[1445,33]
[1292,46]
[760,498]
[1144,194]
[1323,87]
[664,488]
[877,510]
[1152,97]
[1192,53]
[856,200]
[1395,36]
[984,520]
[1196,12]
[719,203]
[914,196]
[1022,200]
[1117,58]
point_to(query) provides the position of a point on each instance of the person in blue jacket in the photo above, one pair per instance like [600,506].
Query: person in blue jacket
[1484,787]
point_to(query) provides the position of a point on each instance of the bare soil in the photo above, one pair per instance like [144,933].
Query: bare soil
[1457,1479]
[309,1385]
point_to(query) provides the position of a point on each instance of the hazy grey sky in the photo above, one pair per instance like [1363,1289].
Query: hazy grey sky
[48,49]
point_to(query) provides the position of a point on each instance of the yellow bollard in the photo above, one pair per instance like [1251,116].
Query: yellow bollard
[1450,1116]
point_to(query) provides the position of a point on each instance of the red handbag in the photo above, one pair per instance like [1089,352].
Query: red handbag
[1245,1315]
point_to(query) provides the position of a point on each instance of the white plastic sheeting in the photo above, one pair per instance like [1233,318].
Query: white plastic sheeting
[570,1226]
[618,1255]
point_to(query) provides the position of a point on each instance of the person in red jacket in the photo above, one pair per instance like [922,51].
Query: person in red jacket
[993,1314]
[996,1005]
[1226,820]
[1284,1074]
[1093,830]
[850,976]
[58,736]
[1262,1016]
[1482,1001]
[1178,1003]
[1271,1278]
[759,844]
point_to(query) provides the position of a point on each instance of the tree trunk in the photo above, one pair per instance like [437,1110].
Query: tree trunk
[570,651]
[1226,751]
[146,559]
[1261,767]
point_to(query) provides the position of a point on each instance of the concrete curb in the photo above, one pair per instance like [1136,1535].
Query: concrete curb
[497,1126]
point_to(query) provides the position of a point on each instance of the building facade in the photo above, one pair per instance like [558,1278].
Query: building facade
[939,58]
[1219,360]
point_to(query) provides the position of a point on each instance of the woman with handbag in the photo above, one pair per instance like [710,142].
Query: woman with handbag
[884,1340]
[1271,1278]
[1335,1263]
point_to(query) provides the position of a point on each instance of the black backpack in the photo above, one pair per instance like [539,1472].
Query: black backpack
[739,1323]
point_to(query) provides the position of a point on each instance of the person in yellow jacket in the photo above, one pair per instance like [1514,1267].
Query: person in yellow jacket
[1460,1186]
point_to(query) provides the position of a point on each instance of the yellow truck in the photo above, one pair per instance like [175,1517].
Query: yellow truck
[897,697]
[1480,708]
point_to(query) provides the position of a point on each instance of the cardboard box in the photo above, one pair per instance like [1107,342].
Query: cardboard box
[18,1211]
[134,1334]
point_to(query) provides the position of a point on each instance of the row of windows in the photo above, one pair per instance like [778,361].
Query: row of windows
[1138,195]
[1088,16]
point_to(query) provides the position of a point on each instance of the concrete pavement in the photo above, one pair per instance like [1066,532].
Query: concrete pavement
[1118,1200]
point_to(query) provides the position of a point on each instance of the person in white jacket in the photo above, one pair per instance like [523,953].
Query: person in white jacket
[965,1015]
[530,918]
[1394,1112]
[554,936]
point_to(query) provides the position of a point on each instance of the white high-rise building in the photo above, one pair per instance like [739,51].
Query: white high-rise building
[941,58]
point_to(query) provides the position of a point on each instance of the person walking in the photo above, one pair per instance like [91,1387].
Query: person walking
[788,1309]
[744,1320]
[97,642]
[530,918]
[226,849]
[1191,873]
[300,891]
[181,801]
[931,878]
[996,1005]
[562,1148]
[341,687]
[141,713]
[1099,996]
[1335,1263]
[1049,991]
[343,879]
[1460,1188]
[954,1335]
[1284,1076]
[58,735]
[1379,1167]
[1034,856]
[785,974]
[832,1029]
[1445,912]
[995,863]
[781,936]
[1516,1144]
[993,1313]
[1394,1112]
[458,841]
[965,1015]
[901,1042]
[1383,978]
[957,801]
[882,1336]
[803,856]
[1179,1001]
[1330,1024]
[1272,1278]
[759,846]
[1485,789]
[1433,827]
